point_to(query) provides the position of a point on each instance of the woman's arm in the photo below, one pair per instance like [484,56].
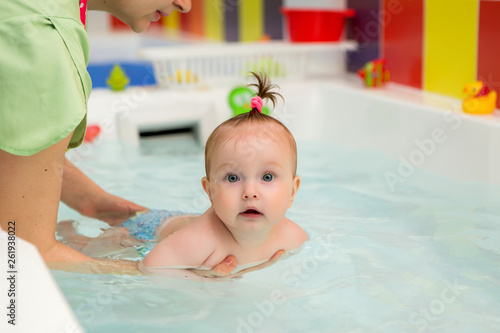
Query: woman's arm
[86,197]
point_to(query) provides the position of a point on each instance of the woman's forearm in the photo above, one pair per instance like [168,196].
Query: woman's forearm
[78,190]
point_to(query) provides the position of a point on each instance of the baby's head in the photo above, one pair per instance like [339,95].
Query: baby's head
[259,127]
[251,163]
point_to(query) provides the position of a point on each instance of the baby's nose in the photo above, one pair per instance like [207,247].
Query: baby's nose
[248,196]
[250,192]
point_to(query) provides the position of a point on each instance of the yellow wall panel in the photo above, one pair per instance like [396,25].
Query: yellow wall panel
[172,23]
[251,19]
[450,38]
[214,20]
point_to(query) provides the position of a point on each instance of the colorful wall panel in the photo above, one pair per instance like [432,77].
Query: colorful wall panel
[172,23]
[450,45]
[251,20]
[214,20]
[273,19]
[402,47]
[194,22]
[488,59]
[231,20]
[364,28]
[436,45]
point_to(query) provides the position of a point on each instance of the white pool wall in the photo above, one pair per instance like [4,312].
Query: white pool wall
[31,300]
[419,130]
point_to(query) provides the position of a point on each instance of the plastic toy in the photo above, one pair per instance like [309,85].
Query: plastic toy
[188,78]
[481,99]
[117,79]
[239,100]
[374,73]
[91,133]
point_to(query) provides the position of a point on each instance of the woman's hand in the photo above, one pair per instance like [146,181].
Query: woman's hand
[225,268]
[86,197]
[110,208]
[271,261]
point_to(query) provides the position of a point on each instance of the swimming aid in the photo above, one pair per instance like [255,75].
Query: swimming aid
[44,83]
[144,227]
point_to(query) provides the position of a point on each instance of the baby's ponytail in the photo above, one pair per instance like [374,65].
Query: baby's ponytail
[264,88]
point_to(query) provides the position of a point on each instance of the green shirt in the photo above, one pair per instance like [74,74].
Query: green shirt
[44,83]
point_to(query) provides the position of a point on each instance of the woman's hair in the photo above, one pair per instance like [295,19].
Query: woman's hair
[233,126]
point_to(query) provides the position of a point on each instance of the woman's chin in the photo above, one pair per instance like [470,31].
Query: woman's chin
[139,25]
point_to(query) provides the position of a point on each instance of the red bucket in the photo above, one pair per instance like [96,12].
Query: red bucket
[308,25]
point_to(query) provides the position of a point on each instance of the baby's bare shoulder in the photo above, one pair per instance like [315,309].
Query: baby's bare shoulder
[293,236]
[205,225]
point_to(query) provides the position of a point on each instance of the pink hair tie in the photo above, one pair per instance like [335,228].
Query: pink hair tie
[257,103]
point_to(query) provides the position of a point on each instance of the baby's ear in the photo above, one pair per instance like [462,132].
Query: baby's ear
[206,187]
[295,189]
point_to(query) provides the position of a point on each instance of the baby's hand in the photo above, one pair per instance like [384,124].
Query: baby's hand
[221,270]
[225,268]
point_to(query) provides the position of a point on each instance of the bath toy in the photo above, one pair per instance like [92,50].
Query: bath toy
[481,99]
[187,78]
[239,100]
[91,133]
[117,79]
[374,73]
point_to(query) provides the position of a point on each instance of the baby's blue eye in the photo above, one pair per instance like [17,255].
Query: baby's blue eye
[232,178]
[268,177]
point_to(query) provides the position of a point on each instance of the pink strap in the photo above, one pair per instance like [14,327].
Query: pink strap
[257,103]
[83,11]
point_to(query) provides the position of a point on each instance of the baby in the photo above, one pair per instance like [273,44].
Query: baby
[250,164]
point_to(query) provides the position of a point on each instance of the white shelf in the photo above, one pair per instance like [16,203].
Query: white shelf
[209,64]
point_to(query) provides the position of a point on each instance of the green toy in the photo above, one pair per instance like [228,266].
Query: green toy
[239,100]
[117,79]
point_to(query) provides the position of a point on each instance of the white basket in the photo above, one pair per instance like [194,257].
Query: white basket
[198,65]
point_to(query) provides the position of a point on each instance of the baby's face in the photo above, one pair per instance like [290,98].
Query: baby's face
[251,182]
[138,14]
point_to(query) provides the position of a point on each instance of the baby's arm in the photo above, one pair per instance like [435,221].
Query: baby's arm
[189,246]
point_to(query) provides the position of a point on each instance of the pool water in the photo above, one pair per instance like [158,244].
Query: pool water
[422,256]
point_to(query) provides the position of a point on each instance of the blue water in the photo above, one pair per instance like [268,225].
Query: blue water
[422,258]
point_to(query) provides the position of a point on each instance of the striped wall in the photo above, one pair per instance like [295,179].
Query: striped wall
[214,20]
[488,49]
[365,30]
[435,45]
[224,20]
[403,24]
[450,44]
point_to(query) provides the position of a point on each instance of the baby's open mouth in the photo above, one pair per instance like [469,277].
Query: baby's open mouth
[251,213]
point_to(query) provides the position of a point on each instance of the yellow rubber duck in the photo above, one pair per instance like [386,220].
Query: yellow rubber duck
[481,100]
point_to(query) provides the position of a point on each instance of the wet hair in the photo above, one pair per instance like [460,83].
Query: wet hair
[245,121]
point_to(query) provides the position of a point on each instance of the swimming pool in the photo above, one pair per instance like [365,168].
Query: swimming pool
[393,248]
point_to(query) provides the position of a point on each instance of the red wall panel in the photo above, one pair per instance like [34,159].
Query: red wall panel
[488,59]
[403,29]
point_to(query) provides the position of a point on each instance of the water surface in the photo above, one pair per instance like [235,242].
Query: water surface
[422,258]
